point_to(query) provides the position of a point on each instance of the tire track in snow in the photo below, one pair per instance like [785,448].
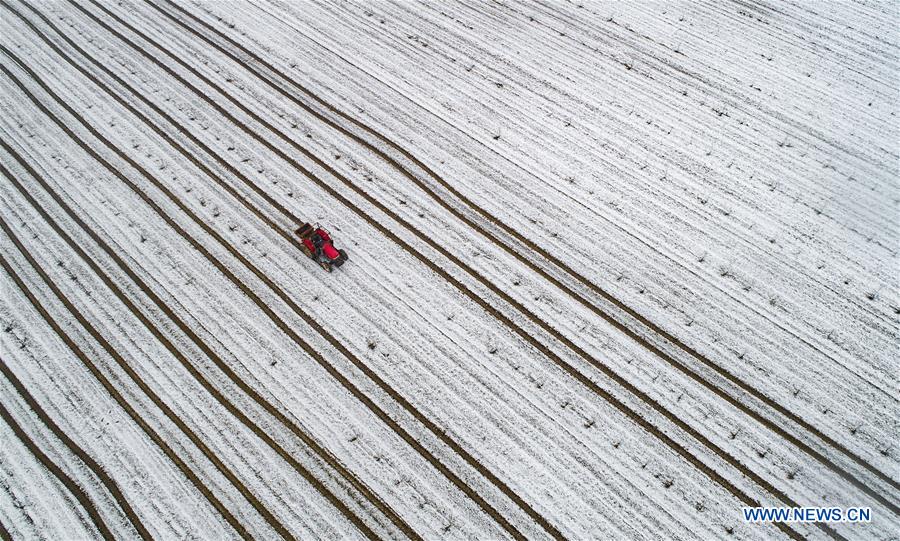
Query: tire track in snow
[256,429]
[290,332]
[775,425]
[74,488]
[636,417]
[111,486]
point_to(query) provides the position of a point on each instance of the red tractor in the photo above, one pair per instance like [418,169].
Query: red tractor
[316,242]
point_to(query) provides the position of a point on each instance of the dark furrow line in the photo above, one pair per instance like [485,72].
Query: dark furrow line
[797,334]
[323,453]
[534,247]
[111,486]
[197,441]
[490,309]
[601,216]
[234,171]
[74,488]
[280,230]
[287,329]
[238,527]
[218,395]
[801,272]
[501,317]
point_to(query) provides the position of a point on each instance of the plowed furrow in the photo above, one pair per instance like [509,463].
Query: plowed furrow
[111,486]
[794,333]
[539,260]
[74,488]
[322,453]
[490,309]
[290,332]
[502,318]
[111,389]
[196,440]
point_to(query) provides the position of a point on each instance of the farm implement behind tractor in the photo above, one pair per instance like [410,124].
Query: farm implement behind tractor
[316,242]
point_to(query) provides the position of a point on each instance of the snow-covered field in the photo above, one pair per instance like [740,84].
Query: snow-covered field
[617,270]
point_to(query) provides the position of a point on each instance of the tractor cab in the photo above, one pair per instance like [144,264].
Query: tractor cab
[317,245]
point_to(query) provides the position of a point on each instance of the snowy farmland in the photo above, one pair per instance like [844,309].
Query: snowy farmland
[616,270]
